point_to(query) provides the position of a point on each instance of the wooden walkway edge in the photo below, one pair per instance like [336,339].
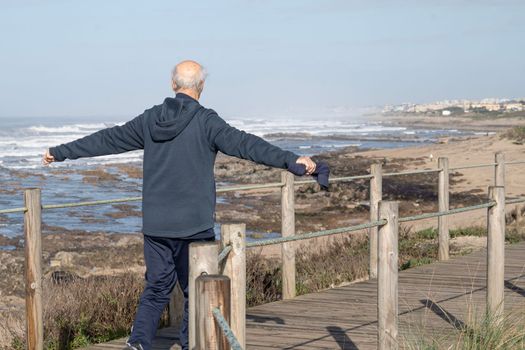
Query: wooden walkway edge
[434,301]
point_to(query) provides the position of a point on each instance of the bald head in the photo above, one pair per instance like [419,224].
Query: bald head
[188,77]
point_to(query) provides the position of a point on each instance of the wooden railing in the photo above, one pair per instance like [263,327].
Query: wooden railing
[210,321]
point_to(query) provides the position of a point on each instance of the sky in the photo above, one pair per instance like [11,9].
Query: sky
[270,59]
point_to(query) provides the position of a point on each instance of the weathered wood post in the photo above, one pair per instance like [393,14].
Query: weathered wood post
[376,194]
[499,169]
[33,269]
[443,203]
[176,307]
[234,267]
[203,260]
[496,252]
[213,291]
[387,278]
[288,229]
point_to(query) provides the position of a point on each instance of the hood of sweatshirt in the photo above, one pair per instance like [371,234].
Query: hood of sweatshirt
[176,113]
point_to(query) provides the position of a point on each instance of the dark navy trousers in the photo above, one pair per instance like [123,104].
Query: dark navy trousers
[166,262]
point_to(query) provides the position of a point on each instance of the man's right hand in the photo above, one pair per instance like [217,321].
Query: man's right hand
[47,158]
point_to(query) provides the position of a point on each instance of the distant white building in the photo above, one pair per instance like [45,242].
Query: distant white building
[446,112]
[514,107]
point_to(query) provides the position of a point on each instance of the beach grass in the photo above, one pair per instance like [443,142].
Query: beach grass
[477,333]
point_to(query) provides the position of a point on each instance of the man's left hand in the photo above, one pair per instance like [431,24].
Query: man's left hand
[308,163]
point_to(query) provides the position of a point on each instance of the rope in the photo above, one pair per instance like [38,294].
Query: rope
[224,253]
[413,172]
[514,201]
[335,179]
[473,166]
[81,204]
[226,330]
[270,241]
[446,212]
[13,210]
[250,187]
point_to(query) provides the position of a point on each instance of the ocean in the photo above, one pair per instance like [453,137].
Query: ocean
[23,141]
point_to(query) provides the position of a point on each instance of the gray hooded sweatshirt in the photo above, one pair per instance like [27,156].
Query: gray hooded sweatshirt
[180,139]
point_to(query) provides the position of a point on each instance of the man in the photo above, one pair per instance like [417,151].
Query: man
[180,139]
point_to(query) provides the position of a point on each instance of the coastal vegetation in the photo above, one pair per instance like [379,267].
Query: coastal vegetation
[82,311]
[481,333]
[515,134]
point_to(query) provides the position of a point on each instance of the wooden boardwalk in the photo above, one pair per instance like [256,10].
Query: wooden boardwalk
[434,300]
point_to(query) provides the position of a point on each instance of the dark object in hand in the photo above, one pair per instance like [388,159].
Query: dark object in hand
[321,173]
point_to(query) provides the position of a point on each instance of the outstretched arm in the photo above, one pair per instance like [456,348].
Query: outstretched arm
[118,139]
[238,143]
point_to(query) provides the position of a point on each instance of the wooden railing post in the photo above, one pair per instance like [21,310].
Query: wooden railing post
[443,204]
[376,194]
[33,269]
[288,229]
[499,169]
[234,267]
[213,291]
[387,278]
[203,259]
[176,307]
[496,252]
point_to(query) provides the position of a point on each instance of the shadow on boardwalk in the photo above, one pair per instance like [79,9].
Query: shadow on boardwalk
[434,300]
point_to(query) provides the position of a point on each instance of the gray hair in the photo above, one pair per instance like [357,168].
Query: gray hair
[194,82]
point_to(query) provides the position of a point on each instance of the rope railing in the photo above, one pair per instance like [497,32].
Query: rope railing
[336,179]
[226,330]
[224,253]
[412,172]
[227,249]
[85,204]
[446,212]
[255,186]
[515,200]
[250,187]
[13,210]
[270,241]
[473,166]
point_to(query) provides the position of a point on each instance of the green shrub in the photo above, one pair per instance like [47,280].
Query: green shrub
[429,233]
[476,231]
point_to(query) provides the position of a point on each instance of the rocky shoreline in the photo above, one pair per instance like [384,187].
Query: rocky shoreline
[86,253]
